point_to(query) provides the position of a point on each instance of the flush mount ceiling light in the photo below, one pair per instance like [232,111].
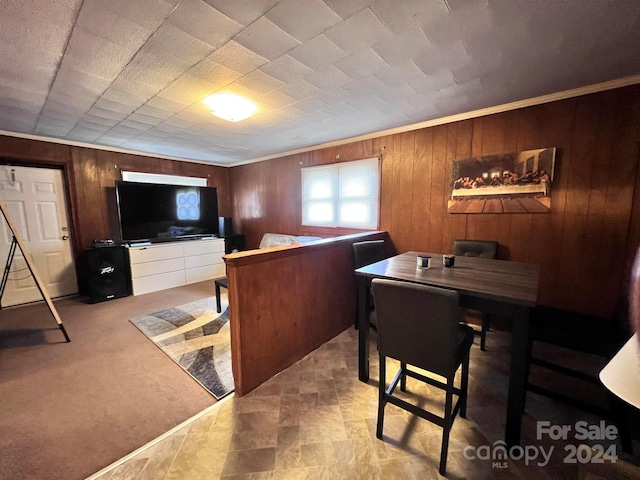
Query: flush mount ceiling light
[229,106]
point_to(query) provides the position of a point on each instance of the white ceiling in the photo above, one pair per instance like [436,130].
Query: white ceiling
[131,74]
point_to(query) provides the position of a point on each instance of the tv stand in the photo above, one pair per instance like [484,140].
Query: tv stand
[158,266]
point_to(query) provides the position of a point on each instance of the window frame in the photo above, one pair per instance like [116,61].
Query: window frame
[372,201]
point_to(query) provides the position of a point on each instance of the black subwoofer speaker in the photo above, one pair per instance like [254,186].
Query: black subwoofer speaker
[109,275]
[225,227]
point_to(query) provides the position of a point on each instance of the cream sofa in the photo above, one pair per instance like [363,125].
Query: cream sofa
[279,240]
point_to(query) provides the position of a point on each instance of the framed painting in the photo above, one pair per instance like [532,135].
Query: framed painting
[507,183]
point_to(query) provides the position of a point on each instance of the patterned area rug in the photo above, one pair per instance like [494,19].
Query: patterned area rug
[197,338]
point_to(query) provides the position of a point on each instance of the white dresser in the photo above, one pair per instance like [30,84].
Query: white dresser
[165,265]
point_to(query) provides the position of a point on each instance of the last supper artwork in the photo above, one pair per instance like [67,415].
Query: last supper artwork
[506,183]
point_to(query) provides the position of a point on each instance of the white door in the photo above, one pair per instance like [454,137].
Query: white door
[37,205]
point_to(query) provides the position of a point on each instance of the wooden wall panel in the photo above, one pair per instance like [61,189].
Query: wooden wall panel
[583,247]
[421,191]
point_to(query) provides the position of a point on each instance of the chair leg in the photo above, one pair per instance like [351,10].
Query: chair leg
[448,406]
[486,323]
[381,395]
[403,378]
[464,386]
[218,304]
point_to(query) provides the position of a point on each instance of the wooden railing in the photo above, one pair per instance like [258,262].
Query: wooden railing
[287,301]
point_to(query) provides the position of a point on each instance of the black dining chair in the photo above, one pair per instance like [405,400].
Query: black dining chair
[483,249]
[368,252]
[419,326]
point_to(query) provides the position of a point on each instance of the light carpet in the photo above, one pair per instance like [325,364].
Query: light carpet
[197,338]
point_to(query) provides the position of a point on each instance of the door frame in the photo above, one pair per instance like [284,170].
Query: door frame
[67,182]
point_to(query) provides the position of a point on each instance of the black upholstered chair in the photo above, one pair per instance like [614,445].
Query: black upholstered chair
[475,248]
[419,326]
[368,252]
[484,249]
[371,251]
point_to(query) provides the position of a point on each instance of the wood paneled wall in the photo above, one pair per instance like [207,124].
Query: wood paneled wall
[285,302]
[584,247]
[91,174]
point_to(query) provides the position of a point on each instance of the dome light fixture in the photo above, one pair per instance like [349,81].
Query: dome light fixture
[230,106]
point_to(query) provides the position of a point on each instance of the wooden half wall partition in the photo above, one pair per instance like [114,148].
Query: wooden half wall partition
[287,301]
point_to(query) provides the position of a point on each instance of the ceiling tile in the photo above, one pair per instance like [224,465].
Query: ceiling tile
[364,86]
[329,77]
[404,16]
[154,67]
[203,22]
[243,12]
[266,39]
[107,123]
[166,104]
[334,96]
[403,47]
[214,72]
[114,106]
[69,80]
[399,93]
[275,100]
[149,14]
[459,25]
[100,20]
[432,83]
[258,82]
[299,89]
[154,112]
[29,78]
[15,119]
[286,69]
[346,8]
[318,53]
[309,105]
[55,127]
[93,55]
[188,89]
[11,97]
[72,102]
[36,32]
[86,133]
[237,58]
[171,40]
[358,32]
[399,74]
[148,120]
[362,64]
[303,19]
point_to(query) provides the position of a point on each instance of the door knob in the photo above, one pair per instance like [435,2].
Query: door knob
[65,237]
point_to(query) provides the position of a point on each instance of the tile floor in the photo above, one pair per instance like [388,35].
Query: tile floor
[315,420]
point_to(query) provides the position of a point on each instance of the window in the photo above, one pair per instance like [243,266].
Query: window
[341,194]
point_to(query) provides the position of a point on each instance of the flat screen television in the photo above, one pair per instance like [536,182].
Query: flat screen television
[150,212]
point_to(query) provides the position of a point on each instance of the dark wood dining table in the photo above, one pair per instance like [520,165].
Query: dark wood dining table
[500,287]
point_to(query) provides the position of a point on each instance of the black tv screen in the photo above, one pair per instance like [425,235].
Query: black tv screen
[150,212]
